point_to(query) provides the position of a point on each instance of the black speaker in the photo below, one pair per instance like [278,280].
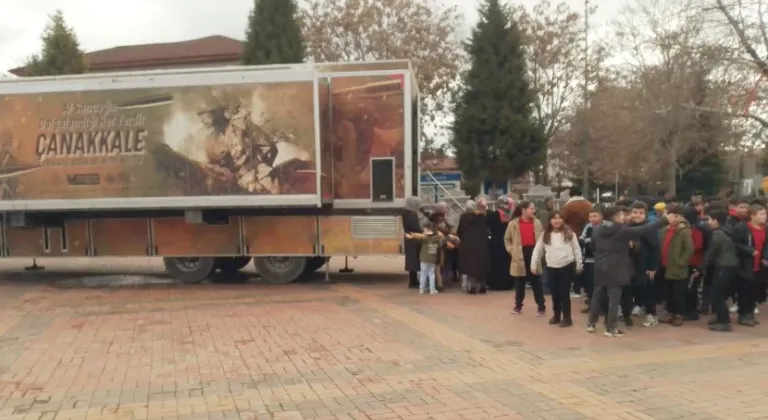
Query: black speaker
[383,180]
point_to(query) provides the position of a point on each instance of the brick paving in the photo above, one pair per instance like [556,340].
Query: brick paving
[73,347]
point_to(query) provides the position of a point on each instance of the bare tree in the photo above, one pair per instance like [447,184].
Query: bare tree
[746,36]
[422,31]
[669,51]
[555,48]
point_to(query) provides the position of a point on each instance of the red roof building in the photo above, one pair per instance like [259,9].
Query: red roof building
[211,51]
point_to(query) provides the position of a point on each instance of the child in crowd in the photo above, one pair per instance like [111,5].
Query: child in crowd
[756,226]
[744,284]
[560,249]
[720,257]
[432,240]
[692,216]
[519,240]
[676,250]
[595,219]
[450,244]
[613,265]
[645,261]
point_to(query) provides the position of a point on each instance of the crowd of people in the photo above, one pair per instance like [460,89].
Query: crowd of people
[663,261]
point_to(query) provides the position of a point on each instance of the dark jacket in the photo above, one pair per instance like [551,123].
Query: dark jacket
[610,243]
[679,252]
[721,251]
[412,249]
[744,243]
[585,240]
[474,254]
[645,252]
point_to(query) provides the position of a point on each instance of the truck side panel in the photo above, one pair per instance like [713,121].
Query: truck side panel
[367,122]
[360,235]
[69,240]
[120,237]
[174,237]
[221,145]
[308,235]
[280,235]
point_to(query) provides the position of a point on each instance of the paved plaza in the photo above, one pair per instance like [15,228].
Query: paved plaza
[73,347]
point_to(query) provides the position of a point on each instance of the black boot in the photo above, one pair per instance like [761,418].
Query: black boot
[413,280]
[555,320]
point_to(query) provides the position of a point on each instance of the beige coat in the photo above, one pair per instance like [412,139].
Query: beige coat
[515,247]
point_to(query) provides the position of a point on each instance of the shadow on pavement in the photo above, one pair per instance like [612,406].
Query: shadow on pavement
[153,278]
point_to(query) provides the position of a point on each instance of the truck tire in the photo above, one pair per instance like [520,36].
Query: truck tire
[280,270]
[189,270]
[315,263]
[231,264]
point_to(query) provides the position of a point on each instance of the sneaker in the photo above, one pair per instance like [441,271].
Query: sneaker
[677,321]
[614,333]
[517,311]
[746,321]
[650,321]
[734,308]
[721,327]
[482,291]
[575,295]
[434,292]
[637,311]
[591,328]
[757,311]
[422,291]
[540,313]
[472,291]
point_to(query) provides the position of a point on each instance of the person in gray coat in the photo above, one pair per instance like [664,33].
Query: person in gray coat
[613,265]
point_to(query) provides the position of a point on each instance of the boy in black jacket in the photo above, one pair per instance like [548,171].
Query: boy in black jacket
[595,219]
[721,257]
[645,260]
[738,215]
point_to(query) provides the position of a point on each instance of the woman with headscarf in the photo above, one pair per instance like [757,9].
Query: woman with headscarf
[439,218]
[500,279]
[411,224]
[474,254]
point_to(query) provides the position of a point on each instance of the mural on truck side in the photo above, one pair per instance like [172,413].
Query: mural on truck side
[367,121]
[240,139]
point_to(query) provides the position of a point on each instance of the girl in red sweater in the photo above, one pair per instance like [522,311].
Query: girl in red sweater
[756,225]
[694,264]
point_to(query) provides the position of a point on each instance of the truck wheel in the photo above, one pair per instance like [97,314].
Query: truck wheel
[231,264]
[189,270]
[280,270]
[315,263]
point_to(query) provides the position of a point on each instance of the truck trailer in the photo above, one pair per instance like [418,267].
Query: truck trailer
[211,168]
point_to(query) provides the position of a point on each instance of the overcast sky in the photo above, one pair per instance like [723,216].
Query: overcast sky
[103,24]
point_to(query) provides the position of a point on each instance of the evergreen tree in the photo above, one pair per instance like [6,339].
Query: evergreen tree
[494,134]
[273,35]
[61,53]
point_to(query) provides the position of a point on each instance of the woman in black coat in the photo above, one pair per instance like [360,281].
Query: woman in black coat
[499,279]
[474,251]
[412,248]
